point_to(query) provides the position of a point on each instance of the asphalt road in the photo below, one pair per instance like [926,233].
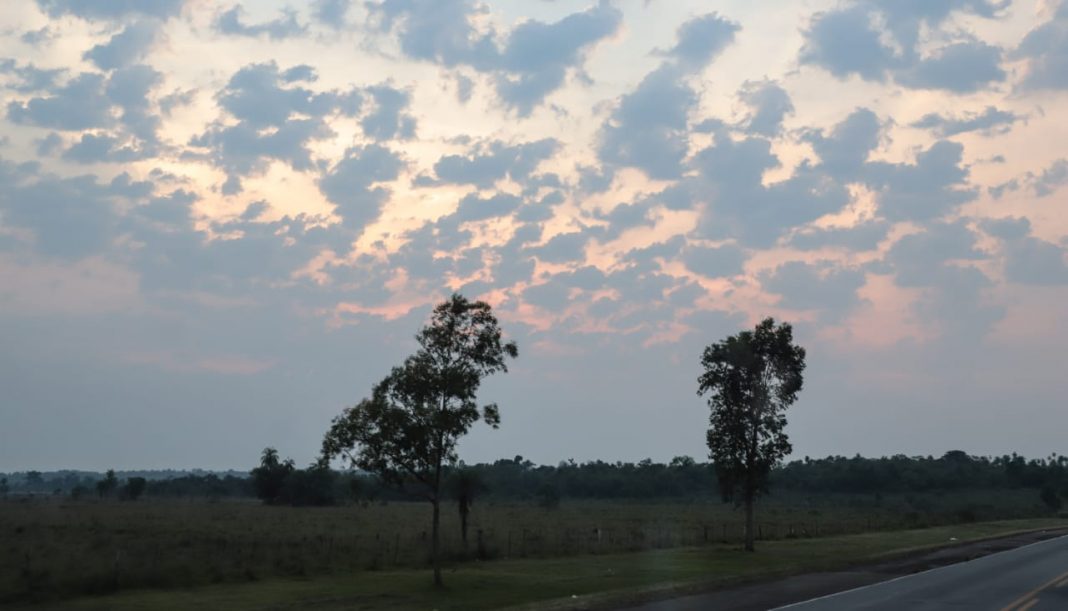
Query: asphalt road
[1030,578]
[1022,572]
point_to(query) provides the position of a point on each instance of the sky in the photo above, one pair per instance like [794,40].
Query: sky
[222,222]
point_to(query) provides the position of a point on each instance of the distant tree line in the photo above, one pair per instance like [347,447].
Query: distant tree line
[518,479]
[952,471]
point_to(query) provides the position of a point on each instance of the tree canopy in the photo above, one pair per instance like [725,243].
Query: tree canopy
[407,431]
[750,379]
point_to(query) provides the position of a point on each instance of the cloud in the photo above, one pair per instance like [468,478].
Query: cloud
[1008,228]
[31,78]
[474,208]
[846,149]
[863,236]
[1044,184]
[990,122]
[348,183]
[963,67]
[536,56]
[117,107]
[241,150]
[331,13]
[919,258]
[388,119]
[742,206]
[1051,178]
[440,31]
[130,46]
[551,295]
[261,96]
[715,262]
[877,40]
[285,26]
[845,43]
[70,218]
[93,148]
[1036,262]
[1027,259]
[624,217]
[49,144]
[532,61]
[112,9]
[616,263]
[555,293]
[485,165]
[932,187]
[37,37]
[821,286]
[563,248]
[130,89]
[648,128]
[276,121]
[701,39]
[78,104]
[906,18]
[768,105]
[1045,51]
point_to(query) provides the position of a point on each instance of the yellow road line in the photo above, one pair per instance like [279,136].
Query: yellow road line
[1021,600]
[1033,602]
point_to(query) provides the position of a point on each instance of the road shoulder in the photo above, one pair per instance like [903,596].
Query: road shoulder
[770,594]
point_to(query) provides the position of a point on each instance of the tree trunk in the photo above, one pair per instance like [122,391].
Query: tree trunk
[463,522]
[435,546]
[749,522]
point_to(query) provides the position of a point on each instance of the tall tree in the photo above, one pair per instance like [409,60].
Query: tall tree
[751,379]
[269,479]
[407,431]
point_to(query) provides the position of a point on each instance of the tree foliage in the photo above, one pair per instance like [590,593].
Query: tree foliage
[134,488]
[750,379]
[407,431]
[269,478]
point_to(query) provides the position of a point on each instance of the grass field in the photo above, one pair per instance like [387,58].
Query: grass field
[577,582]
[53,549]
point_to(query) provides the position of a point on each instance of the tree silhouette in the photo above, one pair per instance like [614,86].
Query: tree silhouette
[408,430]
[134,488]
[107,485]
[268,479]
[751,379]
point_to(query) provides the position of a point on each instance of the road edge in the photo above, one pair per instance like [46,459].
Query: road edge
[614,600]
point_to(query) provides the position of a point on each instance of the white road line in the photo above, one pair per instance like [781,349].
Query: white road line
[940,568]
